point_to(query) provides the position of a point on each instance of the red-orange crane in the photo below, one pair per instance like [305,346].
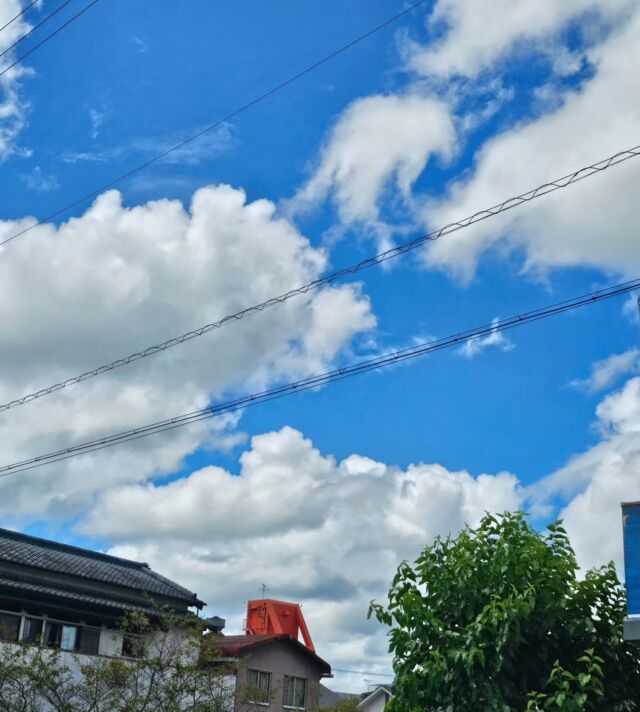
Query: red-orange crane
[267,617]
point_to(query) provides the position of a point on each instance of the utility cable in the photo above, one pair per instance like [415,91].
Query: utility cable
[363,672]
[35,27]
[46,39]
[400,249]
[19,15]
[250,104]
[315,381]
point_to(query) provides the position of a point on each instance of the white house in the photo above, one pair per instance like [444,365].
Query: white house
[73,599]
[377,700]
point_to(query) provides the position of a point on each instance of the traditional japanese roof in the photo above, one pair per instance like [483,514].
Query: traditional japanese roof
[56,566]
[238,645]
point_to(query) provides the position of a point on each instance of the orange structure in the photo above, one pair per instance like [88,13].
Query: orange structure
[268,617]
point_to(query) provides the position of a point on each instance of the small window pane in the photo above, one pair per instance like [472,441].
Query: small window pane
[294,691]
[9,627]
[133,646]
[52,634]
[299,693]
[68,637]
[32,630]
[258,686]
[88,641]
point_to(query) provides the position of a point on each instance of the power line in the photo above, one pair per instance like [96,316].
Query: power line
[35,27]
[45,40]
[20,14]
[401,249]
[315,381]
[363,672]
[250,104]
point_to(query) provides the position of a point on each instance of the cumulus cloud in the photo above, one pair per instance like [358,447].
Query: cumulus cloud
[477,35]
[117,279]
[595,482]
[379,142]
[594,223]
[605,373]
[328,534]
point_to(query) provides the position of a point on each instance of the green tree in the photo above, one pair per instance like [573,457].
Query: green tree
[498,619]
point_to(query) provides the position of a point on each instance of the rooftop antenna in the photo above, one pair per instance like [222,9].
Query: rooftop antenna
[264,585]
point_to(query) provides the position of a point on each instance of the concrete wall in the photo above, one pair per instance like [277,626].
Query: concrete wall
[279,658]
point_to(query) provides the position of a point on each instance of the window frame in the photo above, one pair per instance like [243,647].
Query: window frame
[258,687]
[12,614]
[294,680]
[45,621]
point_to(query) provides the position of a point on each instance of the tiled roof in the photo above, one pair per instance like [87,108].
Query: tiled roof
[64,559]
[70,595]
[237,644]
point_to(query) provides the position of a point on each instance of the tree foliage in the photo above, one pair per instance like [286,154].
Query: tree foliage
[173,670]
[347,705]
[498,619]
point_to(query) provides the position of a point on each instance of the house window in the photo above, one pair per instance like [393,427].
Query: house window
[133,646]
[9,627]
[295,690]
[59,635]
[258,687]
[88,641]
[32,630]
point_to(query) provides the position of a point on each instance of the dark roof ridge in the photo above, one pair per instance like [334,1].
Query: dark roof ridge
[245,641]
[169,582]
[78,550]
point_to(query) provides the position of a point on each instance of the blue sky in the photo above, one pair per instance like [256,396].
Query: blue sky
[498,112]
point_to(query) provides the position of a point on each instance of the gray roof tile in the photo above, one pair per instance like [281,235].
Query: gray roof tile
[84,563]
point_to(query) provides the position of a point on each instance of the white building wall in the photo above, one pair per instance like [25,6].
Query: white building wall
[377,704]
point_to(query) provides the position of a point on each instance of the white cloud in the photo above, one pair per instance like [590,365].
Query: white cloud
[594,223]
[139,44]
[116,279]
[96,119]
[378,142]
[605,373]
[478,34]
[209,146]
[595,482]
[39,182]
[496,339]
[13,107]
[328,534]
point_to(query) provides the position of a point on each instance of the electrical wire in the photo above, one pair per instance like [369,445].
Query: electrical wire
[48,37]
[363,672]
[401,249]
[20,14]
[35,27]
[315,381]
[250,104]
